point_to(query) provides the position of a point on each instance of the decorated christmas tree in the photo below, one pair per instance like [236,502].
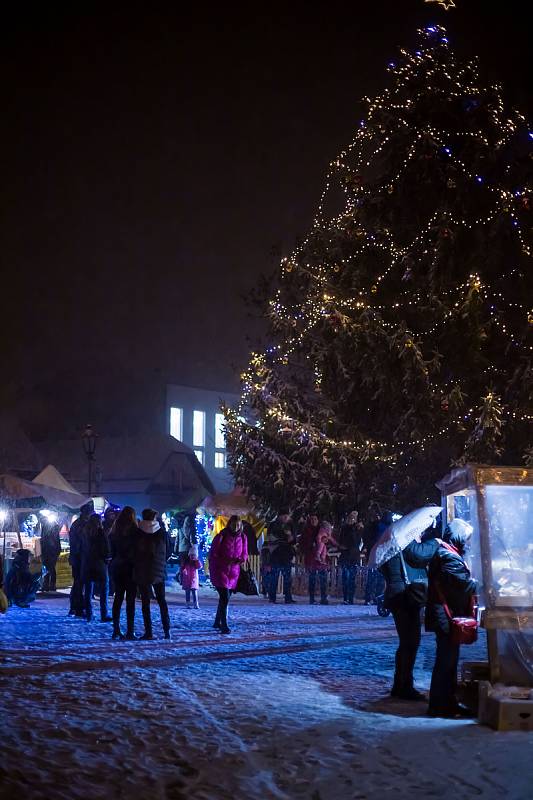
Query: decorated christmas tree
[400,333]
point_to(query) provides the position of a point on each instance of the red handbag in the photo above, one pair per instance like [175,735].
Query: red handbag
[463,630]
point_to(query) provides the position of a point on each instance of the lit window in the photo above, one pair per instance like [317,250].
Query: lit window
[220,439]
[199,455]
[176,423]
[220,460]
[198,428]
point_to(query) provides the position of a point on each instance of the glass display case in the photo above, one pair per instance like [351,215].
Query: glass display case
[498,502]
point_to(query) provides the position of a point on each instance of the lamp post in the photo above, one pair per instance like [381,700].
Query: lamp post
[88,440]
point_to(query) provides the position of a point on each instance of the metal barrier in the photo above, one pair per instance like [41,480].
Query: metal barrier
[300,578]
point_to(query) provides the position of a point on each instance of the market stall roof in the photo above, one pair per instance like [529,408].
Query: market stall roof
[471,475]
[52,478]
[27,494]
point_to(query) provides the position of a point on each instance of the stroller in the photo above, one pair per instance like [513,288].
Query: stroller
[382,610]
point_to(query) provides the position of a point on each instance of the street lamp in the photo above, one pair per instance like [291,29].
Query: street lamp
[88,440]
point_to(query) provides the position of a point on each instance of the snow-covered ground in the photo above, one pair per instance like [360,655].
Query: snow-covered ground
[293,704]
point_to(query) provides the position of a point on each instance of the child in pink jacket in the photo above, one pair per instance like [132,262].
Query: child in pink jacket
[189,577]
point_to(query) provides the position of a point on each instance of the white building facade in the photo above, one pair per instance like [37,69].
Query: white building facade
[194,417]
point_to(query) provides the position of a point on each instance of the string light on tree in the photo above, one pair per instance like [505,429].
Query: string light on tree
[446,4]
[398,342]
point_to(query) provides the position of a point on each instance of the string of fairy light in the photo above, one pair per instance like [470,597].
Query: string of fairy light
[326,300]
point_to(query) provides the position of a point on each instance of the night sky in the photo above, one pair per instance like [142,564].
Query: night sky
[156,162]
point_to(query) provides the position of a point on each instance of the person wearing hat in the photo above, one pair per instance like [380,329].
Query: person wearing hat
[150,569]
[20,585]
[75,537]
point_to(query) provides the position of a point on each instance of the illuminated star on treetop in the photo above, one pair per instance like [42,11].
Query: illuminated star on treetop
[446,4]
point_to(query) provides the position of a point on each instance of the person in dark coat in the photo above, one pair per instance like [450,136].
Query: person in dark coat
[266,570]
[351,546]
[122,542]
[95,555]
[74,559]
[281,557]
[406,583]
[374,580]
[275,531]
[110,515]
[169,544]
[150,569]
[50,550]
[449,582]
[251,538]
[21,585]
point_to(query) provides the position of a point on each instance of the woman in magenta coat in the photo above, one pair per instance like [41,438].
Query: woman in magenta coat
[228,551]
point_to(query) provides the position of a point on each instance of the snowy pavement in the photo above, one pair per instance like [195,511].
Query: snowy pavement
[293,704]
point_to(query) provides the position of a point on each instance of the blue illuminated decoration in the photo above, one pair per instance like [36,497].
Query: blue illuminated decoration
[204,524]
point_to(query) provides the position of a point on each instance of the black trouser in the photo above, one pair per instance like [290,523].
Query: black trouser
[323,583]
[191,593]
[111,583]
[349,571]
[444,676]
[266,575]
[407,620]
[123,587]
[159,591]
[286,572]
[49,582]
[76,592]
[101,586]
[221,618]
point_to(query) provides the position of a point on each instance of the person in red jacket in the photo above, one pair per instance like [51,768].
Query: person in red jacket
[319,564]
[307,540]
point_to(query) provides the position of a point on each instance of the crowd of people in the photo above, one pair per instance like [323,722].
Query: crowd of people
[125,557]
[315,545]
[130,553]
